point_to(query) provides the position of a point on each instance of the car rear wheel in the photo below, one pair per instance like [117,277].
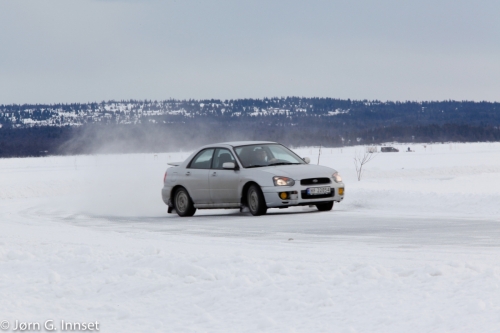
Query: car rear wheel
[183,203]
[325,207]
[255,201]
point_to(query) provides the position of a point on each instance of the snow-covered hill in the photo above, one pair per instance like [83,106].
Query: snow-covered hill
[137,112]
[413,248]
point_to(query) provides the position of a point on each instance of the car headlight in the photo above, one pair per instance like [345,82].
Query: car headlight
[337,177]
[283,181]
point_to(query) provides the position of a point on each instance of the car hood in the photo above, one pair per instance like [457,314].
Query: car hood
[301,171]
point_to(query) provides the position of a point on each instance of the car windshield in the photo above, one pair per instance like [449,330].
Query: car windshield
[254,156]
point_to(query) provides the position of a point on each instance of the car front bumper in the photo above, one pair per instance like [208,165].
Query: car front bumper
[297,195]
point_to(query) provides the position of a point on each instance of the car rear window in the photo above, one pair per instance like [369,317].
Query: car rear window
[203,160]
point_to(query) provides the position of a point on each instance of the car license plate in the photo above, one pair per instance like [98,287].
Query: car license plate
[318,190]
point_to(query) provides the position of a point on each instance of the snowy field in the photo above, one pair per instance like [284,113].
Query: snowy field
[414,247]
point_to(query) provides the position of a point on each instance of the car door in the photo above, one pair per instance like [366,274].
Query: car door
[223,182]
[196,177]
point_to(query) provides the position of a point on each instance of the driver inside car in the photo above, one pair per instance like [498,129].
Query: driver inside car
[260,157]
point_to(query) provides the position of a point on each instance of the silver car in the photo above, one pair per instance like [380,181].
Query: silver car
[254,174]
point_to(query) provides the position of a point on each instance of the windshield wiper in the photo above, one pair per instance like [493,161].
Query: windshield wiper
[256,166]
[283,163]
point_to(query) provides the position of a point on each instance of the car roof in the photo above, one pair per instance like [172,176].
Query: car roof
[246,143]
[237,143]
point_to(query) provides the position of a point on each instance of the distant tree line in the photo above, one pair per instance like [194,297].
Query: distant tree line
[88,139]
[355,114]
[172,125]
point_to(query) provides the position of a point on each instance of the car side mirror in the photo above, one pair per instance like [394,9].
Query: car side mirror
[307,160]
[229,165]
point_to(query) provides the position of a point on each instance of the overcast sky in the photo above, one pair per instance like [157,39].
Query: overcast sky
[93,50]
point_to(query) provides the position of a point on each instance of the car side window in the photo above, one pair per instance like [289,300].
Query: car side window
[222,156]
[203,160]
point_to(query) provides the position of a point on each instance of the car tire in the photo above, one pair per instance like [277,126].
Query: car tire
[325,207]
[255,201]
[183,203]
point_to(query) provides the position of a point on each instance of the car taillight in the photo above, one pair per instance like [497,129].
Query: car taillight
[165,177]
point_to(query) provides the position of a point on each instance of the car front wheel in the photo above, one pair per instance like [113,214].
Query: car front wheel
[255,200]
[325,207]
[183,203]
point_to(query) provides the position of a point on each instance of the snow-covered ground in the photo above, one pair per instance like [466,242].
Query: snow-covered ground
[414,247]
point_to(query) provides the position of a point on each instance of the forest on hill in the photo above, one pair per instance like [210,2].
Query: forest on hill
[172,125]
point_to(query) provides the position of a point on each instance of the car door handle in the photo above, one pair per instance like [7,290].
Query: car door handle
[214,174]
[188,173]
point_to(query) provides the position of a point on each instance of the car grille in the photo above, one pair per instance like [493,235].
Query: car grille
[304,195]
[311,181]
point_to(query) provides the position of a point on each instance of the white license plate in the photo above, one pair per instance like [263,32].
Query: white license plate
[318,190]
